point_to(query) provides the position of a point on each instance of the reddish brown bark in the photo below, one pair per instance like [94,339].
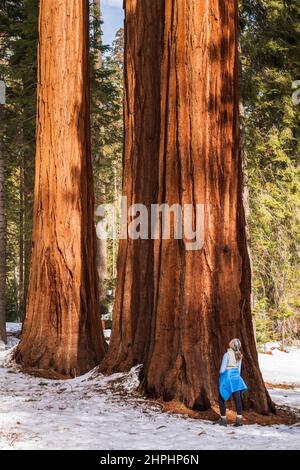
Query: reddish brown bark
[3,337]
[62,327]
[21,249]
[175,309]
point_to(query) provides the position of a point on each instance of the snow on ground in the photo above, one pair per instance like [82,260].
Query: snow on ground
[13,328]
[97,412]
[281,367]
[107,334]
[290,398]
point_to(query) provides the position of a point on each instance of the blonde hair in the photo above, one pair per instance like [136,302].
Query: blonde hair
[236,345]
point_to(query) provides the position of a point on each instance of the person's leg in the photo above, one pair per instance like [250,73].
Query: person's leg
[222,421]
[222,406]
[239,408]
[238,403]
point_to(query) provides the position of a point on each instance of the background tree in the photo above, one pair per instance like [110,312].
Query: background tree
[62,331]
[107,136]
[97,63]
[270,59]
[182,146]
[19,32]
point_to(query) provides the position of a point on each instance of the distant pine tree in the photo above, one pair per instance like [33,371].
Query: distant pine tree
[18,66]
[270,58]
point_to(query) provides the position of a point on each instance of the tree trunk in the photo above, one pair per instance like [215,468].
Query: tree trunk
[101,258]
[175,309]
[61,330]
[101,264]
[21,249]
[116,207]
[28,169]
[2,249]
[97,27]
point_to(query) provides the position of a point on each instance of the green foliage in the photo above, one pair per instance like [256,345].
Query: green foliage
[18,68]
[270,60]
[107,136]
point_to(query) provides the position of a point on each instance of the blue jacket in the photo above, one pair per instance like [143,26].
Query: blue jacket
[230,380]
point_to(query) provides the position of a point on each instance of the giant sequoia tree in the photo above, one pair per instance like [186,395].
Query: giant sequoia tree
[175,309]
[61,330]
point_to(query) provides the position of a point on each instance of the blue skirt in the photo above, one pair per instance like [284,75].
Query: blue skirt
[231,382]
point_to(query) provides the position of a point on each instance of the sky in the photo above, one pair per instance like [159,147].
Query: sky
[113,17]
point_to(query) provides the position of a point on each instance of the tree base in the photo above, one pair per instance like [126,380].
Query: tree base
[36,369]
[281,416]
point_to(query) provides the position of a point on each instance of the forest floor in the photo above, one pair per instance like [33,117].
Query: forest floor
[97,412]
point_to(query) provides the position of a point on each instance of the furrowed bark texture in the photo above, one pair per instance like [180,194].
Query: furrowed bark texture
[135,292]
[176,310]
[61,330]
[2,248]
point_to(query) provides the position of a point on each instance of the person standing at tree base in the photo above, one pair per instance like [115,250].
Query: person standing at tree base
[231,382]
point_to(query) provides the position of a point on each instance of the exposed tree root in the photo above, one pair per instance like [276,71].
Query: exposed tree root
[283,415]
[281,386]
[44,374]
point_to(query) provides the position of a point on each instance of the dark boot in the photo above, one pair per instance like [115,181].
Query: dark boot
[222,421]
[238,422]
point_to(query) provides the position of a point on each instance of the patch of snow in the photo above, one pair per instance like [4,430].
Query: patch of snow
[107,334]
[131,381]
[281,367]
[271,345]
[284,397]
[13,328]
[12,341]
